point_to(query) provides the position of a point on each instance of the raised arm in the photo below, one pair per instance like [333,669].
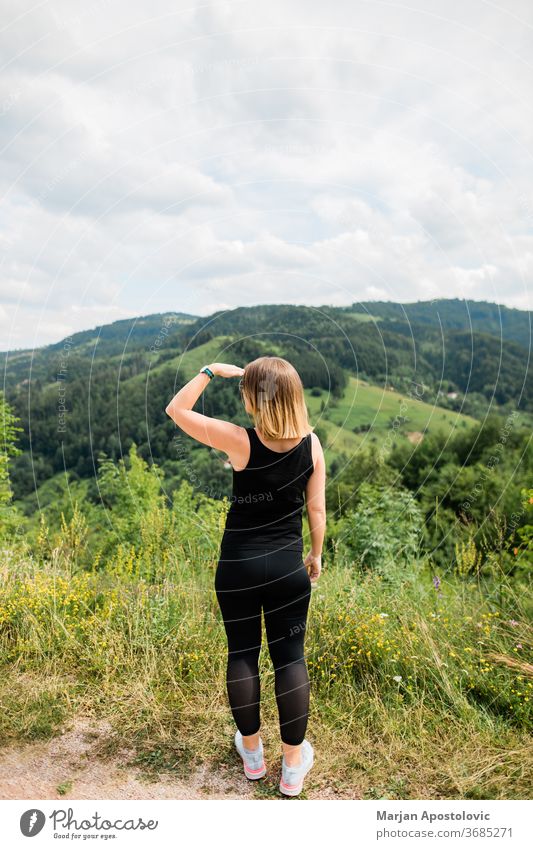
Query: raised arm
[224,436]
[315,499]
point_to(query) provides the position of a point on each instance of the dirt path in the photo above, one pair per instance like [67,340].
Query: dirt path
[74,766]
[74,763]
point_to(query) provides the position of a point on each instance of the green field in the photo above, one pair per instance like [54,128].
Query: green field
[385,411]
[362,403]
[410,699]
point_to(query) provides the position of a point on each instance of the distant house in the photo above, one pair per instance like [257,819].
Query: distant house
[452,395]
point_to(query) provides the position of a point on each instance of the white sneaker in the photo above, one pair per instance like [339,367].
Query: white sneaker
[292,777]
[253,762]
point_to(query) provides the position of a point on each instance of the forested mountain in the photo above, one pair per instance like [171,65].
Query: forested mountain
[97,392]
[385,351]
[510,325]
[131,339]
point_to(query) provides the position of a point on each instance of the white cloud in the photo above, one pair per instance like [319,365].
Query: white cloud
[154,153]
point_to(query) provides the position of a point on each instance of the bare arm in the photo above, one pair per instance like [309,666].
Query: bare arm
[217,433]
[315,498]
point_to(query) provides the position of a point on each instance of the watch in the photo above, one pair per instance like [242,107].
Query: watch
[206,370]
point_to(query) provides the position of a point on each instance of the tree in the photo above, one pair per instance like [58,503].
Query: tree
[383,533]
[9,515]
[129,491]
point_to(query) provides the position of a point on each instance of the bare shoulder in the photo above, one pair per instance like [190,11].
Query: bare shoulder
[239,431]
[240,438]
[239,452]
[316,447]
[315,441]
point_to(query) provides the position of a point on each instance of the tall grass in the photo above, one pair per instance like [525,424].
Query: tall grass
[417,692]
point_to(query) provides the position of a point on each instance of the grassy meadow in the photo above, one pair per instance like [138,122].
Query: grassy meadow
[420,688]
[364,405]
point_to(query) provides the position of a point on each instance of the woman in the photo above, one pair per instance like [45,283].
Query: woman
[261,565]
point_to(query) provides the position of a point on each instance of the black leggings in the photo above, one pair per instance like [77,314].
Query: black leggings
[246,581]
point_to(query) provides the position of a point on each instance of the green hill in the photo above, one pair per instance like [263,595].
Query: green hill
[366,385]
[511,325]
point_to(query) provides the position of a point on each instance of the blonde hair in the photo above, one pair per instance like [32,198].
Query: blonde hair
[275,393]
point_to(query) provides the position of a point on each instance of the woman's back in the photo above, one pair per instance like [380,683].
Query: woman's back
[261,569]
[268,497]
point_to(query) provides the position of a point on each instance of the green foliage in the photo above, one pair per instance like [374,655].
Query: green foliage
[8,447]
[130,369]
[133,528]
[200,521]
[467,557]
[454,314]
[526,531]
[130,490]
[10,517]
[344,490]
[383,532]
[143,530]
[457,473]
[462,481]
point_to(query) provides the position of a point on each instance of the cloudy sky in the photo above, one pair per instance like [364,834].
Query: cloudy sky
[197,156]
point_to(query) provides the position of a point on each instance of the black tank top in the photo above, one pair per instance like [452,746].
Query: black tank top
[267,501]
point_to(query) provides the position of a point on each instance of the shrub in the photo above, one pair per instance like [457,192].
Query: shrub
[383,532]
